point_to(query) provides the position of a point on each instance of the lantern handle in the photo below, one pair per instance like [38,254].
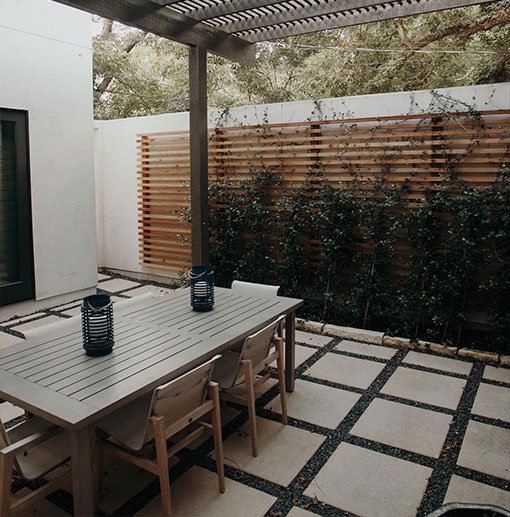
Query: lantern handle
[92,309]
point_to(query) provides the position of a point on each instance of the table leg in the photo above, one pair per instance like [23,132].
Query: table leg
[290,348]
[82,450]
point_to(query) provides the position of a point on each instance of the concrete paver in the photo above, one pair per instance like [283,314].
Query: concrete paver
[312,339]
[485,449]
[317,404]
[366,482]
[37,323]
[196,494]
[303,353]
[283,450]
[497,374]
[406,427]
[9,411]
[355,347]
[430,388]
[439,363]
[468,491]
[117,284]
[492,402]
[9,339]
[350,371]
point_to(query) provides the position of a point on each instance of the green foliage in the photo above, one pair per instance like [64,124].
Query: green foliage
[337,247]
[151,77]
[240,218]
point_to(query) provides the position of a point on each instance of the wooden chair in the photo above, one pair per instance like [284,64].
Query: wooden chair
[242,375]
[31,450]
[157,417]
[251,289]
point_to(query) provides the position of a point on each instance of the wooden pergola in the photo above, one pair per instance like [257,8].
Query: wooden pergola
[231,29]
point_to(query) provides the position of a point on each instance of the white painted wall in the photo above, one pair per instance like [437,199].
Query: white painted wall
[46,68]
[115,147]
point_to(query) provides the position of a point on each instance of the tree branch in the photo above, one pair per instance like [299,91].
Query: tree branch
[459,30]
[126,48]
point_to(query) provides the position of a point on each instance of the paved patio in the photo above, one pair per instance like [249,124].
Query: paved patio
[373,431]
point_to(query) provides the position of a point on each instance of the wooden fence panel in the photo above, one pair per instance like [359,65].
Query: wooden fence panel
[418,149]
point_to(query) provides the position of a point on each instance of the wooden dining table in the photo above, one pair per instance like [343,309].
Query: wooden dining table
[156,340]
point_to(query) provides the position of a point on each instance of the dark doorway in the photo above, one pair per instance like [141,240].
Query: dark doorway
[16,254]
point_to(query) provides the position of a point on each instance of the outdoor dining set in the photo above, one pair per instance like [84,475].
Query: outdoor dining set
[148,388]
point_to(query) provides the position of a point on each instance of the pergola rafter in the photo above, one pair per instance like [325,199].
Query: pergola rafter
[230,28]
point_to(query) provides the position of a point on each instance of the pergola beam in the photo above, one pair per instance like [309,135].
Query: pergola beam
[151,16]
[289,27]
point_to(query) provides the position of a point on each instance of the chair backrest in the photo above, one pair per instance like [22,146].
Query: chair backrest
[251,289]
[179,397]
[257,346]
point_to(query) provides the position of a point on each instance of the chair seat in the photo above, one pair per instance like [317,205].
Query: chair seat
[128,424]
[225,369]
[40,459]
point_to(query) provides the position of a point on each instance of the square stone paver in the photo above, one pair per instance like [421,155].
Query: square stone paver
[485,449]
[355,347]
[430,388]
[312,339]
[283,450]
[67,306]
[493,402]
[369,483]
[468,491]
[497,374]
[117,284]
[8,339]
[317,404]
[346,370]
[153,289]
[76,311]
[303,353]
[8,412]
[101,277]
[406,427]
[195,494]
[37,323]
[439,363]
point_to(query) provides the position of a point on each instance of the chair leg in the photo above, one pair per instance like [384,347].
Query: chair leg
[158,424]
[281,379]
[250,402]
[5,484]
[214,395]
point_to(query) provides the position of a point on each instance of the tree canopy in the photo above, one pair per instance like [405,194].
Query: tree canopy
[141,74]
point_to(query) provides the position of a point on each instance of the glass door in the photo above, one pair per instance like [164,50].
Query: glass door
[16,255]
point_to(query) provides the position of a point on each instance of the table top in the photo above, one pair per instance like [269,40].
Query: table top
[156,340]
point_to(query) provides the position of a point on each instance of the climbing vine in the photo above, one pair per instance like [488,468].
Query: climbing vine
[425,255]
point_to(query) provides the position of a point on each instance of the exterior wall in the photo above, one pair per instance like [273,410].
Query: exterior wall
[46,68]
[116,148]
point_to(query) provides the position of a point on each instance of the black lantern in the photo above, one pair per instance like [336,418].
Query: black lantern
[97,324]
[202,288]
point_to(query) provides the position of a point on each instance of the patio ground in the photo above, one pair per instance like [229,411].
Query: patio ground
[373,431]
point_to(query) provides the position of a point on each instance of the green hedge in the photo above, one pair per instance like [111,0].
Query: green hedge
[341,249]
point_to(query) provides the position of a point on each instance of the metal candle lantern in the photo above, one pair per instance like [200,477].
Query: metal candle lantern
[202,288]
[97,324]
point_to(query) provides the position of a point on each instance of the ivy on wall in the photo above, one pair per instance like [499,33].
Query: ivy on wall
[336,247]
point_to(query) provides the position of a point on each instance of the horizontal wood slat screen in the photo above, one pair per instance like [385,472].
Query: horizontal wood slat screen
[414,148]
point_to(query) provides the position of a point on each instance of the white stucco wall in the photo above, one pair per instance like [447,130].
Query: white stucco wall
[46,69]
[115,147]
